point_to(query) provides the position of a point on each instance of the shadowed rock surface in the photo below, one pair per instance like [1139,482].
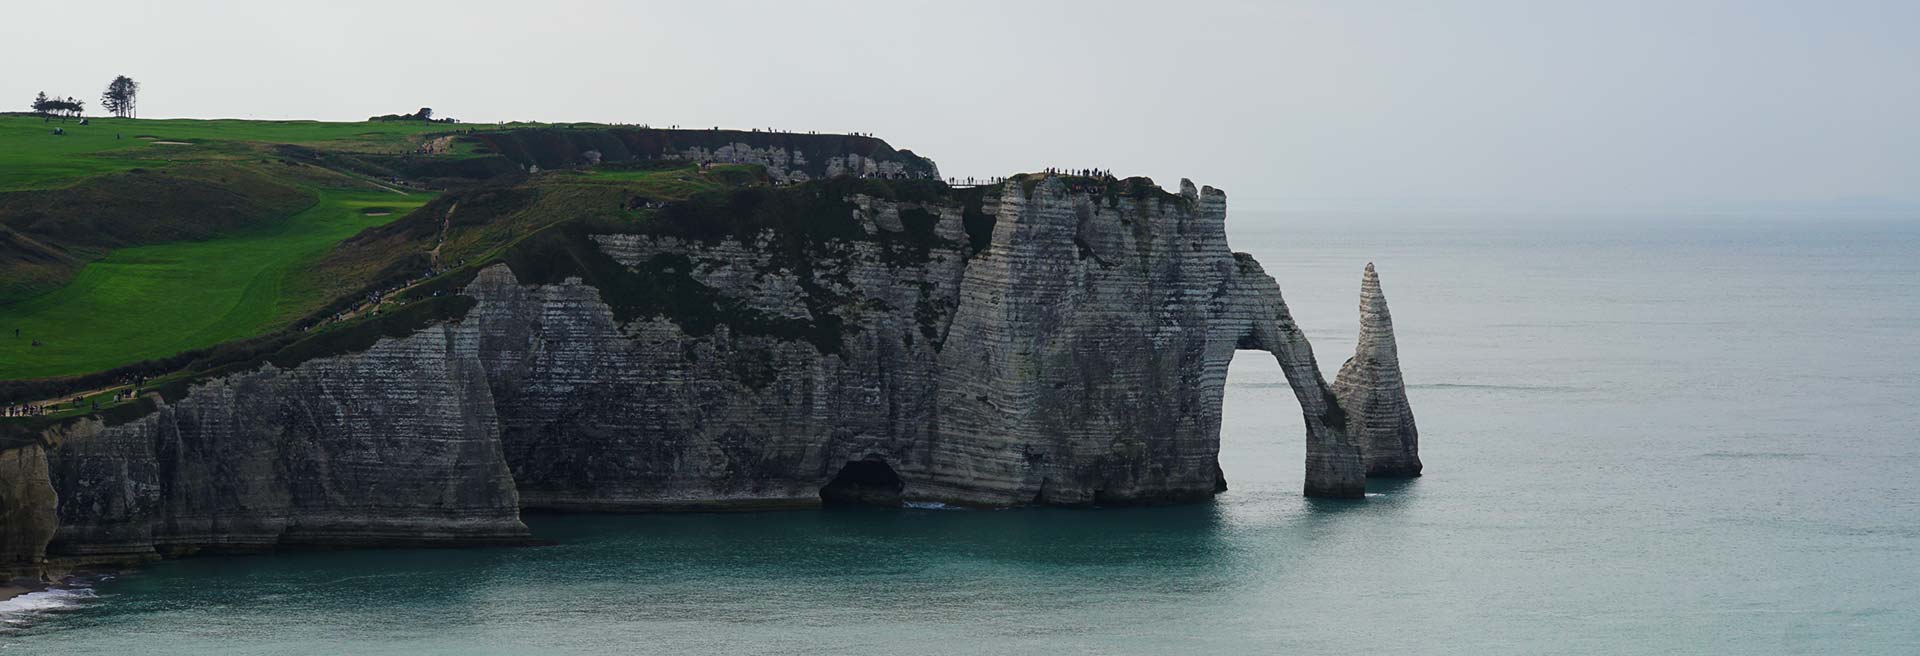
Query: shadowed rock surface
[396,446]
[1374,394]
[27,520]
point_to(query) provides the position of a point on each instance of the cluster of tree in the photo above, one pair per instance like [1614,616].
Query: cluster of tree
[48,108]
[425,114]
[119,98]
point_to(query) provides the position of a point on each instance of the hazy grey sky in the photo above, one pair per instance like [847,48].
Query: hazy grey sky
[1528,104]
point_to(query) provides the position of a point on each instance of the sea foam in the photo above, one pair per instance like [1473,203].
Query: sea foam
[22,609]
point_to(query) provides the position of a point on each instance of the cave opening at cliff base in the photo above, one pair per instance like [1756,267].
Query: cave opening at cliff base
[869,481]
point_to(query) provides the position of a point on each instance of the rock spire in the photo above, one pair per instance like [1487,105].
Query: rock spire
[1374,394]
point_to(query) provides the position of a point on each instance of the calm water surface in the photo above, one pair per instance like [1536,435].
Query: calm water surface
[1691,434]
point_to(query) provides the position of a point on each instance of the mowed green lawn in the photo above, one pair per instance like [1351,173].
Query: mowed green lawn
[32,158]
[154,301]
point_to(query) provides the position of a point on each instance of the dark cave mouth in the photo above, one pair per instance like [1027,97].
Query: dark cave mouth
[866,482]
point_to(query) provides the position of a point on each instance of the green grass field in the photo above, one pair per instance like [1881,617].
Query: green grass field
[33,158]
[154,301]
[260,270]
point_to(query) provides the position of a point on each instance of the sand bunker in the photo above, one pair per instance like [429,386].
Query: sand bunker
[173,143]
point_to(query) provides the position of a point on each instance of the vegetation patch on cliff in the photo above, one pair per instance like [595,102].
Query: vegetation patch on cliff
[554,147]
[662,286]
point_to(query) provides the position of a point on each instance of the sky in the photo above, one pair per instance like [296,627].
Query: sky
[1619,104]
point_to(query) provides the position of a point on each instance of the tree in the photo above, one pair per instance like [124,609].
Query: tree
[120,97]
[48,107]
[425,114]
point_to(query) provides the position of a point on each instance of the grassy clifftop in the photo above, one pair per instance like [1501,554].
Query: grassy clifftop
[127,240]
[178,249]
[33,158]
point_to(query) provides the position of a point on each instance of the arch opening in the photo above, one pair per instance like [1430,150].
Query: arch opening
[1262,436]
[866,482]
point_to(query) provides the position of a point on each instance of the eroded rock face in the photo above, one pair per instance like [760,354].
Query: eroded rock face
[1087,359]
[27,518]
[1078,356]
[787,157]
[1373,393]
[394,446]
[792,165]
[1050,341]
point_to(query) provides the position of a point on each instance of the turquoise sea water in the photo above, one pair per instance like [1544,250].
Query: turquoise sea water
[1685,434]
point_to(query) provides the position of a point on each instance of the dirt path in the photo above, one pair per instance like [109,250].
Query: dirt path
[446,223]
[55,402]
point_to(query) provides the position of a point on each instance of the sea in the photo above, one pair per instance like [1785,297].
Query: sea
[1671,433]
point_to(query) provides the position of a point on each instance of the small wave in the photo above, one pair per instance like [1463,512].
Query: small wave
[926,505]
[1508,388]
[21,609]
[1441,386]
[1767,455]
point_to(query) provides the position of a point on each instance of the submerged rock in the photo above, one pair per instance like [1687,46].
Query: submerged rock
[1373,393]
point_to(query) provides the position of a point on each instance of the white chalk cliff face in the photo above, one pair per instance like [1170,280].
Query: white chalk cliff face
[1054,340]
[1372,391]
[395,446]
[1087,358]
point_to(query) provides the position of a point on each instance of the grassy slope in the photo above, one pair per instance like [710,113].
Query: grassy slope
[66,200]
[485,221]
[49,234]
[538,225]
[32,158]
[152,301]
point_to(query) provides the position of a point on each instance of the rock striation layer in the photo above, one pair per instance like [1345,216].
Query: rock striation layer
[787,157]
[1371,389]
[27,519]
[394,446]
[1070,349]
[1053,340]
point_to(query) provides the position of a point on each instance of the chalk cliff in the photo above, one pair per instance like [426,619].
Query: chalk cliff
[1373,393]
[787,157]
[398,445]
[27,519]
[1052,340]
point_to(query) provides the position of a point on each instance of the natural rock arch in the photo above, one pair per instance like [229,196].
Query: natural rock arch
[1335,464]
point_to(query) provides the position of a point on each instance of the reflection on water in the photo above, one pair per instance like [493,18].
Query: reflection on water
[840,567]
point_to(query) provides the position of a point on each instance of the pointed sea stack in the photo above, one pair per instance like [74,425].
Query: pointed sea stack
[1373,393]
